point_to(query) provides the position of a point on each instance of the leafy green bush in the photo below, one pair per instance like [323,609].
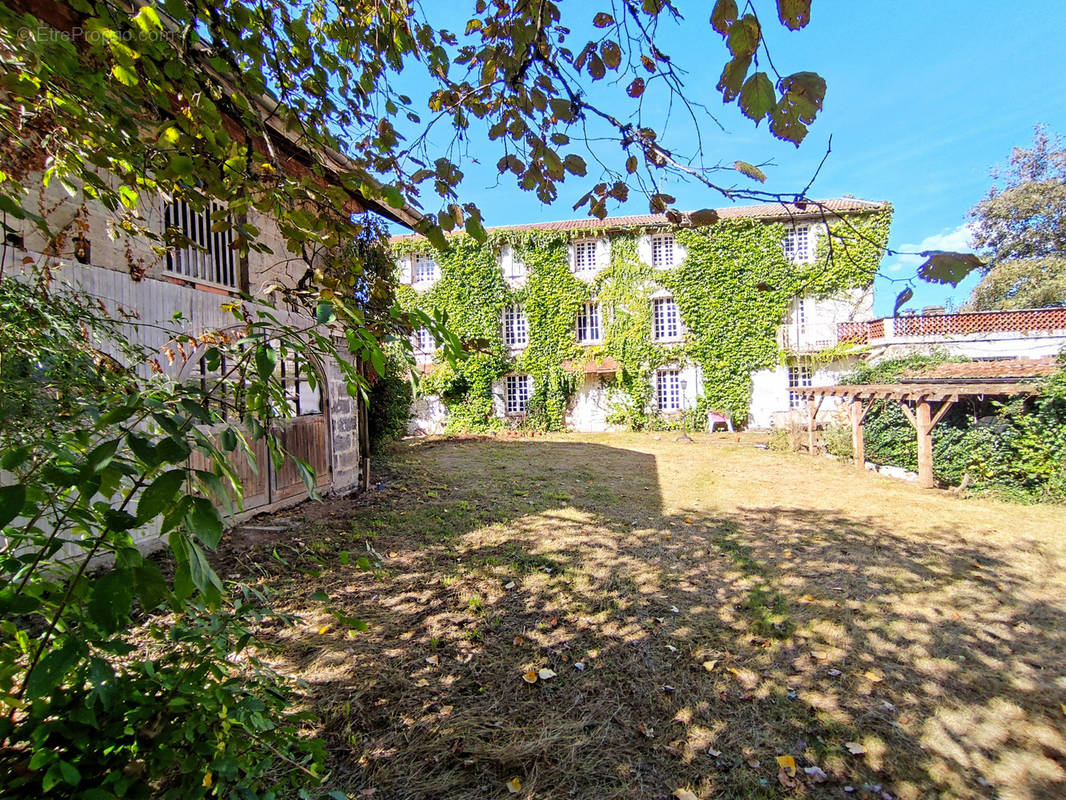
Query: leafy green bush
[390,403]
[837,440]
[122,681]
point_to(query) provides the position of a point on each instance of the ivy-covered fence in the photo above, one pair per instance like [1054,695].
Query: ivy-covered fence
[733,289]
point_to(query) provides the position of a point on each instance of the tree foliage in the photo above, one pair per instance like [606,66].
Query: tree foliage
[187,98]
[1022,224]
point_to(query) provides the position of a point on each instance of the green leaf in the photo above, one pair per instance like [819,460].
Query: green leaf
[124,75]
[743,38]
[320,597]
[12,602]
[147,19]
[575,164]
[732,79]
[724,15]
[227,439]
[944,266]
[794,14]
[325,313]
[143,449]
[149,585]
[51,669]
[172,450]
[757,96]
[70,773]
[119,520]
[111,600]
[703,217]
[750,170]
[476,230]
[15,457]
[204,521]
[12,498]
[266,361]
[157,497]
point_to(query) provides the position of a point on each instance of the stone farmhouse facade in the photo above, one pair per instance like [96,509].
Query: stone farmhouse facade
[811,324]
[185,291]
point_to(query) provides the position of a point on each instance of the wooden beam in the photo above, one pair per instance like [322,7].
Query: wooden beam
[908,413]
[858,443]
[944,408]
[810,425]
[924,427]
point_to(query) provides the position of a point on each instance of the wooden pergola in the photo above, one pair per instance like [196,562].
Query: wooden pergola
[924,404]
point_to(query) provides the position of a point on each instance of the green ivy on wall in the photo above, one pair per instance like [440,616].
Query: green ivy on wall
[733,289]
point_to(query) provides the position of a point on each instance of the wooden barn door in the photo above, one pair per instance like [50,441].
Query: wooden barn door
[305,435]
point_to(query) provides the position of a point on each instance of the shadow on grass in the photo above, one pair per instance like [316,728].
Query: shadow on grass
[691,647]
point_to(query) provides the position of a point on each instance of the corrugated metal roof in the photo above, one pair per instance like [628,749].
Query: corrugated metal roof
[768,211]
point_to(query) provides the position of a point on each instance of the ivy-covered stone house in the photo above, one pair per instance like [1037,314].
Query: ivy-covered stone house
[635,322]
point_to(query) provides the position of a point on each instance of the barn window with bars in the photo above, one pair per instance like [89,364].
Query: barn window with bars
[208,256]
[666,321]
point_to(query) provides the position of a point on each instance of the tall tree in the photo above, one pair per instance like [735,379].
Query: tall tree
[1022,224]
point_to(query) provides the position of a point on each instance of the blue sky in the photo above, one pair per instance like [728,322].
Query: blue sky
[923,99]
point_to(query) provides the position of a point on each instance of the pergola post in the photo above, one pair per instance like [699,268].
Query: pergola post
[858,441]
[923,426]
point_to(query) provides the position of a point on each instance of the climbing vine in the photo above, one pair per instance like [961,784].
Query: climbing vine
[733,288]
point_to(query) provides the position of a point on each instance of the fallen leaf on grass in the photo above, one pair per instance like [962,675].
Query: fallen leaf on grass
[323,630]
[646,731]
[529,677]
[787,765]
[514,786]
[834,673]
[433,660]
[855,748]
[710,665]
[816,774]
[509,585]
[579,666]
[684,794]
[872,676]
[546,674]
[713,753]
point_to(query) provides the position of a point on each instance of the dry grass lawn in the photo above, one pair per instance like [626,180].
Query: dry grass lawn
[706,607]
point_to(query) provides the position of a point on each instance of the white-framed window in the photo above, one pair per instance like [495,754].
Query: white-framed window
[666,319]
[515,327]
[799,377]
[518,387]
[423,344]
[799,315]
[668,389]
[303,390]
[209,257]
[589,324]
[662,250]
[586,255]
[425,268]
[513,268]
[797,244]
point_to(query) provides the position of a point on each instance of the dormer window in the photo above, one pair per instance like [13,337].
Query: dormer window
[662,250]
[797,244]
[425,269]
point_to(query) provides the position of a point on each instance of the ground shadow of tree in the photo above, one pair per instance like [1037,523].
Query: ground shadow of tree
[691,647]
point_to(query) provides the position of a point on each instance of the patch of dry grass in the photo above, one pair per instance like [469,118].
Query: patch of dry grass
[706,607]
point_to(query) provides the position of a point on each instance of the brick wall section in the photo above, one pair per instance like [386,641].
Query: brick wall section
[1029,321]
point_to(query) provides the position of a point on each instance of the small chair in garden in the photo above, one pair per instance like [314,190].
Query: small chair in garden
[717,418]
